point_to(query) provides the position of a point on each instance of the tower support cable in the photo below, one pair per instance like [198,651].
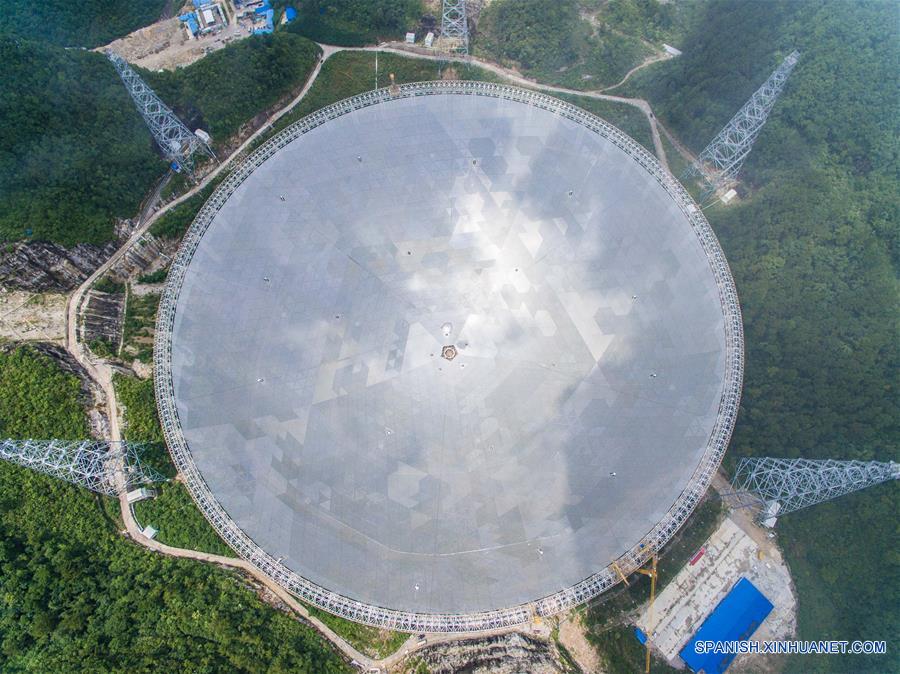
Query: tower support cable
[176,141]
[98,465]
[800,483]
[455,25]
[723,158]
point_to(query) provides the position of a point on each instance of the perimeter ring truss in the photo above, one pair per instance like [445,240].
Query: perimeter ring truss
[442,622]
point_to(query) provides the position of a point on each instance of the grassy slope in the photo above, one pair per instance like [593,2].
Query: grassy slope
[78,597]
[87,23]
[175,516]
[349,73]
[371,641]
[815,256]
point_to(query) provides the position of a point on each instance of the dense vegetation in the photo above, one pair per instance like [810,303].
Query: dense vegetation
[175,516]
[87,23]
[651,20]
[814,250]
[36,395]
[137,405]
[175,222]
[355,23]
[77,597]
[74,153]
[225,89]
[551,41]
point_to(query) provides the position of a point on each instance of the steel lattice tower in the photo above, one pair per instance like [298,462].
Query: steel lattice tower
[455,25]
[101,466]
[720,162]
[798,483]
[173,137]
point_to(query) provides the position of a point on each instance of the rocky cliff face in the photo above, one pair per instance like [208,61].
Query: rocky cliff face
[39,266]
[506,654]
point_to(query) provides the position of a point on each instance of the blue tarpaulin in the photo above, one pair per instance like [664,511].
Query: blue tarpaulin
[290,14]
[639,634]
[735,619]
[270,23]
[191,21]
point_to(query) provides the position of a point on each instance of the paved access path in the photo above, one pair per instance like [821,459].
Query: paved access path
[101,372]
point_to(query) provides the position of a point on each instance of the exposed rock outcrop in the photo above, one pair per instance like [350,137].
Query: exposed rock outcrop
[40,266]
[504,654]
[102,317]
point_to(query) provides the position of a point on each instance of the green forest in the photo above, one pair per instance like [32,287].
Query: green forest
[78,597]
[581,44]
[814,250]
[78,156]
[87,23]
[354,23]
[228,87]
[37,399]
[74,153]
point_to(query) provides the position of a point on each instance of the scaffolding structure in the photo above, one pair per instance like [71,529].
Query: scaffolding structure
[102,466]
[720,162]
[176,141]
[632,559]
[455,26]
[799,483]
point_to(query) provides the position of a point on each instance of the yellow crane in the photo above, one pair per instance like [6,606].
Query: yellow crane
[652,573]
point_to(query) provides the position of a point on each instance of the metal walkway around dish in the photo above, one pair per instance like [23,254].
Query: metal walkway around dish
[428,622]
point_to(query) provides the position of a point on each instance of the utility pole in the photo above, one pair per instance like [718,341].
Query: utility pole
[101,466]
[455,26]
[720,162]
[786,485]
[175,140]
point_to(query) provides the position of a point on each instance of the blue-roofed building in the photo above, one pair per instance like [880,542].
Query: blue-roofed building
[736,618]
[290,14]
[191,22]
[270,23]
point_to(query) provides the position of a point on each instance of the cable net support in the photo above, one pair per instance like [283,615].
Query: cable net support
[567,598]
[723,158]
[800,483]
[176,141]
[455,25]
[101,466]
